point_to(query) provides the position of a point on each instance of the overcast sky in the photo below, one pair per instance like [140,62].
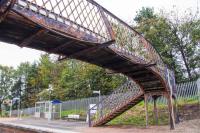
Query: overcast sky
[12,55]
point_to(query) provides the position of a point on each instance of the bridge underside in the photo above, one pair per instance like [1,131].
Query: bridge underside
[16,29]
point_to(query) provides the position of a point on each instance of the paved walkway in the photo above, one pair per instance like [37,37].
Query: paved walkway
[192,126]
[58,126]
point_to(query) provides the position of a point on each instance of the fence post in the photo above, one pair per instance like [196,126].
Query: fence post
[198,87]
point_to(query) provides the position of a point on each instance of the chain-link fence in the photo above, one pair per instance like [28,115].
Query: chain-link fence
[185,91]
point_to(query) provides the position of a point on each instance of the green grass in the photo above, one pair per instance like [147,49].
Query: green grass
[136,116]
[193,100]
[4,114]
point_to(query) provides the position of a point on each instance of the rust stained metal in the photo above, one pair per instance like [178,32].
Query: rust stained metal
[91,50]
[5,6]
[55,25]
[108,25]
[28,40]
[138,67]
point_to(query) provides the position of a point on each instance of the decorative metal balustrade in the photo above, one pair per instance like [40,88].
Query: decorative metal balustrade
[120,97]
[88,21]
[79,16]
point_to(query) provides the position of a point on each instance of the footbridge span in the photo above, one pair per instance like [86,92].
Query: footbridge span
[84,30]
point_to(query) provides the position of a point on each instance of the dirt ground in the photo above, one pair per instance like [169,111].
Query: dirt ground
[192,126]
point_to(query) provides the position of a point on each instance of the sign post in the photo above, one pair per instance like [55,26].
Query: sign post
[99,104]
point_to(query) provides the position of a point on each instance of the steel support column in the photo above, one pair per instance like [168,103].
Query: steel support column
[146,97]
[171,111]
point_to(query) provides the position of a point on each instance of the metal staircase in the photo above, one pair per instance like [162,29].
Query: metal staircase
[122,99]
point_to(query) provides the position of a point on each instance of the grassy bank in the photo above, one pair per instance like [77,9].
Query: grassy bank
[136,115]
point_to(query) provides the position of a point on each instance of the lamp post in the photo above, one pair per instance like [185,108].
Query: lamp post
[49,90]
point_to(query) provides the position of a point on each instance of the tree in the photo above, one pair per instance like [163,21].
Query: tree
[25,85]
[156,29]
[76,79]
[187,44]
[145,14]
[176,42]
[6,82]
[45,69]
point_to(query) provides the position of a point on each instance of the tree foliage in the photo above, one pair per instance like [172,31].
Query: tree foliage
[71,79]
[6,82]
[176,40]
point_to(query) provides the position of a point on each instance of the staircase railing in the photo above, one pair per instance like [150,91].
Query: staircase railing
[120,96]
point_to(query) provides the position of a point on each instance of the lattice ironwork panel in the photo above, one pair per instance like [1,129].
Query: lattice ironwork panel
[80,14]
[131,43]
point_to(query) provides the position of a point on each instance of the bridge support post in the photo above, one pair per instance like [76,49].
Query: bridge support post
[89,118]
[146,96]
[171,111]
[155,109]
[176,111]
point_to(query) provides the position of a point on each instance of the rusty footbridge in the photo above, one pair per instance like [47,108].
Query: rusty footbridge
[84,30]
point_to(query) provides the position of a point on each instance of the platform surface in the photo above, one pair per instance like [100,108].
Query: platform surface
[58,126]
